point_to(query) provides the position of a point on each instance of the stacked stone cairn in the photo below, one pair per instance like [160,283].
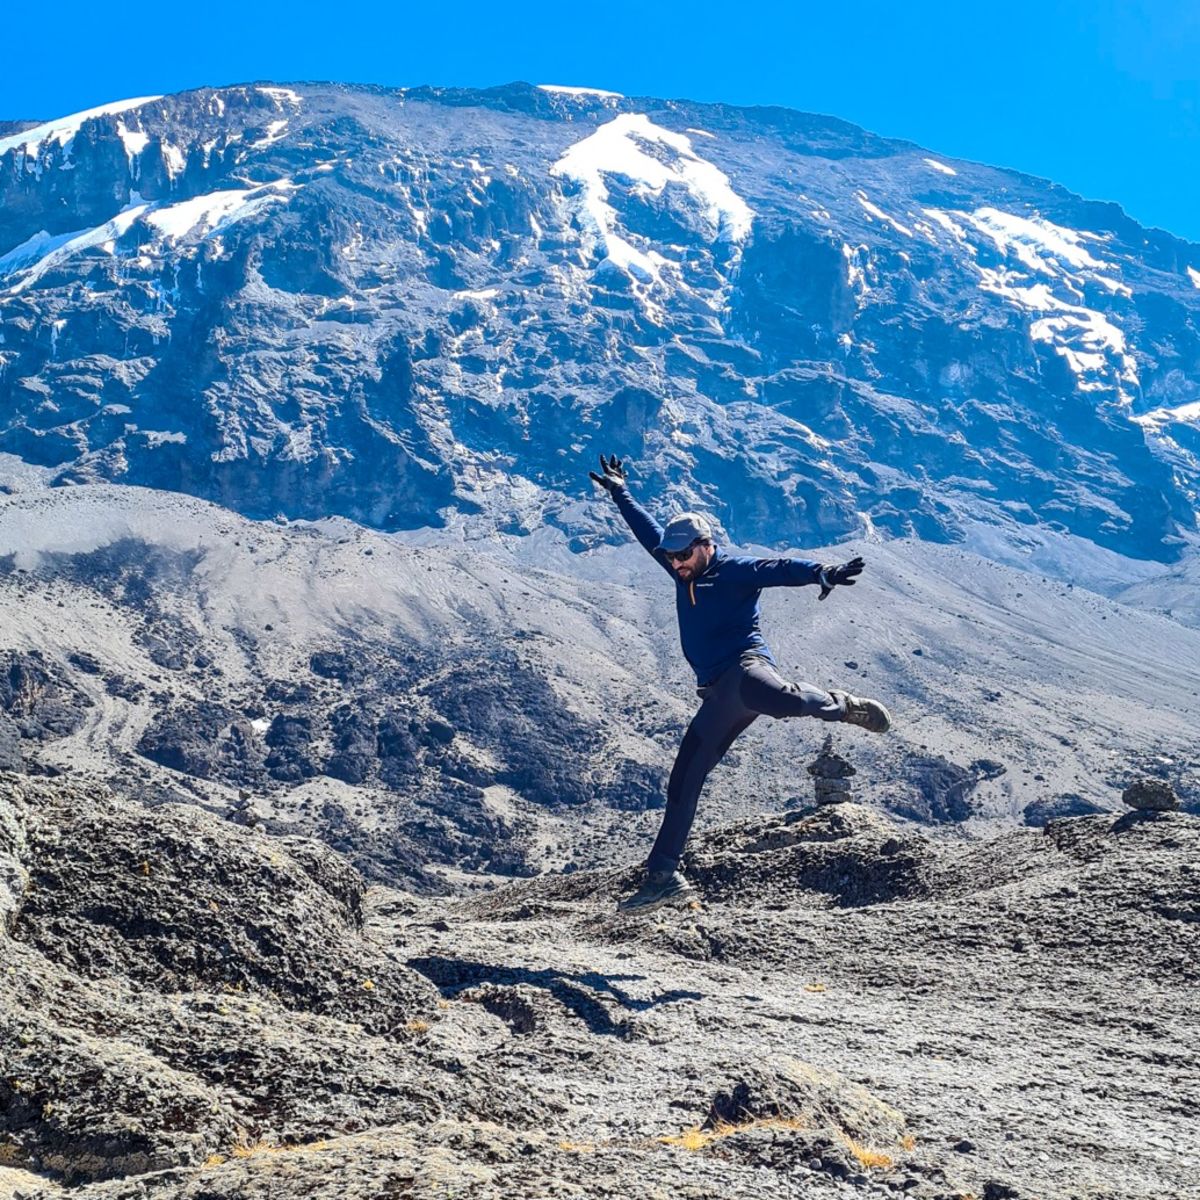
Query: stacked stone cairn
[831,775]
[243,811]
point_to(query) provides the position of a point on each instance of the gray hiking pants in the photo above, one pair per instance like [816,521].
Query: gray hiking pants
[730,705]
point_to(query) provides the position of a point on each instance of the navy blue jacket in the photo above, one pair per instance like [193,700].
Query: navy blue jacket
[718,610]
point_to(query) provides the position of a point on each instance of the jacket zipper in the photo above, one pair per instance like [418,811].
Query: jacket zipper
[692,592]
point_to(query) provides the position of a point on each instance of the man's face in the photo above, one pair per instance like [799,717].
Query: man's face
[697,557]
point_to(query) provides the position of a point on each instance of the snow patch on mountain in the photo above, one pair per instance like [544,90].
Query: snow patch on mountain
[939,166]
[1194,276]
[1039,244]
[134,141]
[173,159]
[281,97]
[873,210]
[560,90]
[856,263]
[1092,345]
[275,132]
[56,250]
[1188,414]
[209,213]
[206,214]
[33,249]
[1044,268]
[63,129]
[947,223]
[633,148]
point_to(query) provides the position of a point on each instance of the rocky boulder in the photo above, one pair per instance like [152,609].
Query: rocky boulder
[180,901]
[176,987]
[1150,795]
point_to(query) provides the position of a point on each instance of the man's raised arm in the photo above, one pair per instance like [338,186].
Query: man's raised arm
[791,572]
[645,528]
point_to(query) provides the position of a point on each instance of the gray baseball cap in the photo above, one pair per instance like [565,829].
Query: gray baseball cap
[683,529]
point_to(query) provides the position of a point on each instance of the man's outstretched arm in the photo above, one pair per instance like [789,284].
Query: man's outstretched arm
[791,572]
[645,528]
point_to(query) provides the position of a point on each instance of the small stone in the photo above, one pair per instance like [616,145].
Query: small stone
[964,1146]
[999,1191]
[1150,795]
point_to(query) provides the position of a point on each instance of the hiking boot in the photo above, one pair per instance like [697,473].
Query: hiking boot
[660,887]
[870,714]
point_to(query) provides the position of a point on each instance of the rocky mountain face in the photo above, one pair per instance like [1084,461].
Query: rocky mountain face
[434,306]
[189,1009]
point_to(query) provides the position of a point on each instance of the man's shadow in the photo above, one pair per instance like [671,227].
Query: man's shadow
[454,975]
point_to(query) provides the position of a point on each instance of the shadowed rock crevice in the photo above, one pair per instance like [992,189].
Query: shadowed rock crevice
[500,989]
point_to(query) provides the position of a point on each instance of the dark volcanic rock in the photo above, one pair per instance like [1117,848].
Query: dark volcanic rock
[333,664]
[202,1035]
[941,788]
[37,697]
[1040,812]
[84,1107]
[290,738]
[543,746]
[1150,795]
[766,1043]
[783,1087]
[843,854]
[10,744]
[354,740]
[187,738]
[181,901]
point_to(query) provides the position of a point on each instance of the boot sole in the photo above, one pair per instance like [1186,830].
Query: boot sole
[685,895]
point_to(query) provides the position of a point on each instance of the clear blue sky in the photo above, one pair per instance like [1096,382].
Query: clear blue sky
[1102,96]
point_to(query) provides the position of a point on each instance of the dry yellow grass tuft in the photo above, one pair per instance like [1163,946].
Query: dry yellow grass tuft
[10,1155]
[416,1025]
[867,1157]
[697,1138]
[908,1142]
[255,1149]
[577,1147]
[694,1138]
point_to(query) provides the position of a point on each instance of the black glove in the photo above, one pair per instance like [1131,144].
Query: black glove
[846,574]
[614,473]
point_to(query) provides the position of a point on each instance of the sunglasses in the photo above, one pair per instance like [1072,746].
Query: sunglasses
[681,555]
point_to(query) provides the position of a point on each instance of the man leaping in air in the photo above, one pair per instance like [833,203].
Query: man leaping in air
[716,600]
